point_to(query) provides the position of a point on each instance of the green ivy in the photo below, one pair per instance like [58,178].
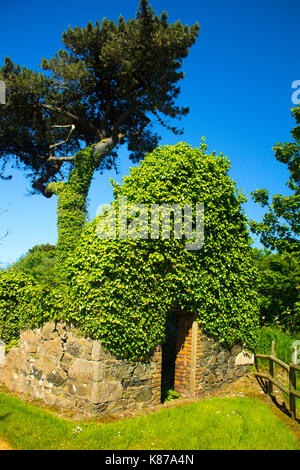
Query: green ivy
[71,206]
[121,291]
[26,304]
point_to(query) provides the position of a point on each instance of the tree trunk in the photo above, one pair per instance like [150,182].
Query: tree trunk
[72,199]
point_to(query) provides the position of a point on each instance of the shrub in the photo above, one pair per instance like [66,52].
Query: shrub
[122,290]
[278,289]
[24,304]
[283,342]
[38,262]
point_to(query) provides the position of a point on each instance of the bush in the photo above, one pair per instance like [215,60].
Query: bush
[24,304]
[278,289]
[38,262]
[122,290]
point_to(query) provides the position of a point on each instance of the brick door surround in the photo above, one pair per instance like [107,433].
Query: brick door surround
[186,356]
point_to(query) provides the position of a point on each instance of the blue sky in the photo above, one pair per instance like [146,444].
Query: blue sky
[237,83]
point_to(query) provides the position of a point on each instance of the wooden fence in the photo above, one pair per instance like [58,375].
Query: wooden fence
[291,369]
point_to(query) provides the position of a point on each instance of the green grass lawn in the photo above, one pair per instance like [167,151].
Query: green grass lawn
[219,423]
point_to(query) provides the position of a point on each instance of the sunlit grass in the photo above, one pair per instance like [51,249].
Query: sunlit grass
[219,423]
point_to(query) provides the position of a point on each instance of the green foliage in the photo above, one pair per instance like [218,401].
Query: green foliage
[171,395]
[21,304]
[278,289]
[283,342]
[71,206]
[279,230]
[38,262]
[26,304]
[114,297]
[280,227]
[122,289]
[109,80]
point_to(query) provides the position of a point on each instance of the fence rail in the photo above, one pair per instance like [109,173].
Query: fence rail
[291,369]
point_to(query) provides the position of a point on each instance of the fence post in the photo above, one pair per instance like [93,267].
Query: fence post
[271,367]
[295,352]
[292,385]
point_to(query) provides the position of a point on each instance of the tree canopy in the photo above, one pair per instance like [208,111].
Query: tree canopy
[278,288]
[103,88]
[39,263]
[280,227]
[278,269]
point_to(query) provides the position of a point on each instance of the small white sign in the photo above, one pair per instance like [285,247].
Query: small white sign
[244,358]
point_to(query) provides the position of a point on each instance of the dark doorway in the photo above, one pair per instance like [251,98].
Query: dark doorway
[169,352]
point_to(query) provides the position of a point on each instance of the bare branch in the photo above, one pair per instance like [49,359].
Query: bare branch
[67,113]
[60,159]
[52,157]
[72,126]
[59,110]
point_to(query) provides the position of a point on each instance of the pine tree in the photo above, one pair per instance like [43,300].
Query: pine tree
[105,88]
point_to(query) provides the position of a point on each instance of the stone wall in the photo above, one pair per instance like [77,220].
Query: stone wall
[217,365]
[64,369]
[61,367]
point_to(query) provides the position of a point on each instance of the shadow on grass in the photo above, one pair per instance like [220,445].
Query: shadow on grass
[281,406]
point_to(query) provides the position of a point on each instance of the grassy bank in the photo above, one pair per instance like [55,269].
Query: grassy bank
[219,423]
